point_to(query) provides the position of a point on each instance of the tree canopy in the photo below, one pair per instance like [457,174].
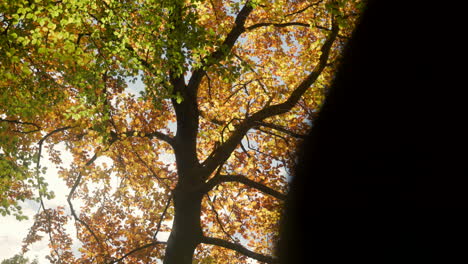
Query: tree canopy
[230,88]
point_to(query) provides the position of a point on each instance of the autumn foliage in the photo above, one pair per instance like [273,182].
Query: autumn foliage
[230,88]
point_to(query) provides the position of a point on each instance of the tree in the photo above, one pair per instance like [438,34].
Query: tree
[18,259]
[383,171]
[231,87]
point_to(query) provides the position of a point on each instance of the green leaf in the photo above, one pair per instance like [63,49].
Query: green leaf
[179,98]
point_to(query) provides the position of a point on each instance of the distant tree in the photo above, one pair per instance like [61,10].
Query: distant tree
[19,259]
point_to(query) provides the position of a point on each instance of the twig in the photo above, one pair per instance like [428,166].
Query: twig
[137,249]
[219,220]
[162,216]
[304,9]
[239,248]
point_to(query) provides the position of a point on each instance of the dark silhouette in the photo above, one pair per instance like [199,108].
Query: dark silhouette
[382,177]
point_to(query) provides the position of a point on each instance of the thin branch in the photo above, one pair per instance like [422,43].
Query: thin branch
[245,151]
[41,199]
[239,248]
[160,179]
[19,122]
[274,135]
[241,85]
[214,10]
[263,153]
[244,180]
[281,129]
[219,220]
[214,121]
[304,9]
[247,64]
[209,86]
[41,141]
[72,191]
[73,212]
[38,128]
[288,24]
[162,215]
[161,136]
[138,249]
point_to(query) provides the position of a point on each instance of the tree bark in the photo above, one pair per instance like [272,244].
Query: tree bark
[186,230]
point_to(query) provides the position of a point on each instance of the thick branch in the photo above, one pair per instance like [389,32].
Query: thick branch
[225,150]
[242,179]
[239,248]
[225,47]
[187,111]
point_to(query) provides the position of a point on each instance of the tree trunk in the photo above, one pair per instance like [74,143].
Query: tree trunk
[186,230]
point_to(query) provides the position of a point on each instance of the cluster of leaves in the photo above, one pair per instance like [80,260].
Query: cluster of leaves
[64,71]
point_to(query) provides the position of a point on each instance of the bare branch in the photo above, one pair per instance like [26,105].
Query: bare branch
[244,180]
[239,248]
